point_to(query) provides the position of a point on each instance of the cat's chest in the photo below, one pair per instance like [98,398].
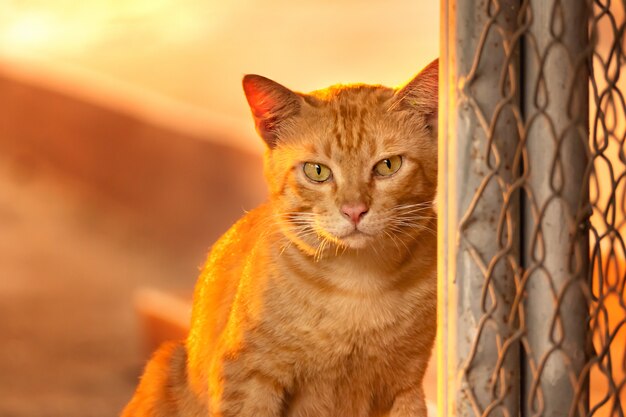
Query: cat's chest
[348,314]
[345,303]
[332,323]
[362,301]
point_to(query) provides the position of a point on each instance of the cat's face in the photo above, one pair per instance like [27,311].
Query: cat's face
[354,166]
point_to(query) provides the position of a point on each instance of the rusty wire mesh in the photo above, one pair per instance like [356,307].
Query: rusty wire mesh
[533,199]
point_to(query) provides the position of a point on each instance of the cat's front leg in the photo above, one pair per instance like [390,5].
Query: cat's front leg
[410,403]
[256,396]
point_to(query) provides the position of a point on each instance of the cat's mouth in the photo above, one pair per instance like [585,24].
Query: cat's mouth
[356,232]
[356,239]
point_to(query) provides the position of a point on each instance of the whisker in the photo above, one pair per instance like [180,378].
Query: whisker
[390,236]
[416,217]
[404,232]
[412,207]
[419,206]
[414,226]
[375,251]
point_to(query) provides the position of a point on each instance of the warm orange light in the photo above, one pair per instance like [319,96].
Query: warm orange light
[28,31]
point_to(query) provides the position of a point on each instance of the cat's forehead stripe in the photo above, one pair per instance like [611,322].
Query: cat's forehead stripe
[355,118]
[350,117]
[336,135]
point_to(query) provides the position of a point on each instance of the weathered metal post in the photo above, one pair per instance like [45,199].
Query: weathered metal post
[479,208]
[531,324]
[556,249]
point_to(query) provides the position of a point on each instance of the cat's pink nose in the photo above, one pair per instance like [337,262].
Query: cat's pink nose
[354,211]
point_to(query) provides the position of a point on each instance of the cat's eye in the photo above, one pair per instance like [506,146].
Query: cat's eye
[388,166]
[317,172]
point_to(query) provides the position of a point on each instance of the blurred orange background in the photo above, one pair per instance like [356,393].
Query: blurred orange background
[126,149]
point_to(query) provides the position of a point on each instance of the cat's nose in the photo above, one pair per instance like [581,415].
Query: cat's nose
[354,211]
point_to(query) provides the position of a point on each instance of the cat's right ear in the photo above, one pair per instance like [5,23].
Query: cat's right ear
[420,96]
[272,106]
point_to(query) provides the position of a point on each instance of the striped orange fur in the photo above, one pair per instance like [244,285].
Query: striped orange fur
[322,301]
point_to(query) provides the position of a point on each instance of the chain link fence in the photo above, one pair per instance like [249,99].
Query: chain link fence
[532,199]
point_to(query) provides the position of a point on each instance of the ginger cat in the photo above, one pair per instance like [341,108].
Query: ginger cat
[322,301]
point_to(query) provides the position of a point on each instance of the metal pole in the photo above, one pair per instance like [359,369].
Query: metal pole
[556,248]
[479,209]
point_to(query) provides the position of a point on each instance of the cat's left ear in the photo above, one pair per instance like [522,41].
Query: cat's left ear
[421,96]
[273,106]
